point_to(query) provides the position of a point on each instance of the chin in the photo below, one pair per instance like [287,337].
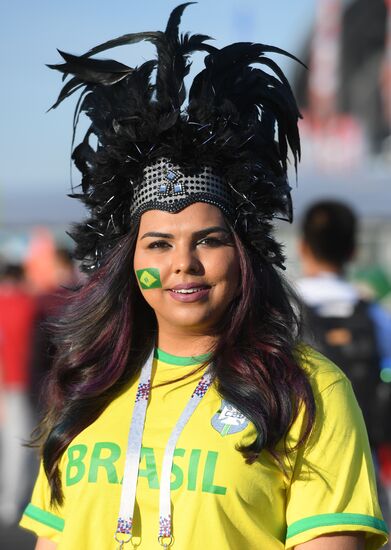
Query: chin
[192,322]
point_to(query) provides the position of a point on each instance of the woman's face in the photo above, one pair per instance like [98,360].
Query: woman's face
[187,266]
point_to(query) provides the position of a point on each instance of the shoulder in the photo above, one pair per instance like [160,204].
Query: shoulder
[338,421]
[323,288]
[333,396]
[321,372]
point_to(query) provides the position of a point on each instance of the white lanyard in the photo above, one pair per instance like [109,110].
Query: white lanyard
[129,483]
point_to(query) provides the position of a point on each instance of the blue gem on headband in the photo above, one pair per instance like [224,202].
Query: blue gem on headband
[172,186]
[172,176]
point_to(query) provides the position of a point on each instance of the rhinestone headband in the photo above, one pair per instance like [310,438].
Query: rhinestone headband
[169,187]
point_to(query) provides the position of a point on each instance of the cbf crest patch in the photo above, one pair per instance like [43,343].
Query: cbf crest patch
[228,420]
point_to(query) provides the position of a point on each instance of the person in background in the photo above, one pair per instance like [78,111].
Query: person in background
[17,313]
[49,306]
[353,332]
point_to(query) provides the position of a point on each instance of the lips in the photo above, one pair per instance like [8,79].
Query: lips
[189,292]
[189,286]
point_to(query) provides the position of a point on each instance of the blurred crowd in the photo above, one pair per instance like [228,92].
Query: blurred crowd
[32,292]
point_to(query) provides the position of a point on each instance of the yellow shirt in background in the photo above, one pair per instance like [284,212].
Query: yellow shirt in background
[218,501]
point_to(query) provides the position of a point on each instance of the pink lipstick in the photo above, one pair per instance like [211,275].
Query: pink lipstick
[190,292]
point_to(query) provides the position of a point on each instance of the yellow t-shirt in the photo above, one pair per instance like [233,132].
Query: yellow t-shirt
[218,501]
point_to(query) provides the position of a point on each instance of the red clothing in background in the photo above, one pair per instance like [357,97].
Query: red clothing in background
[17,313]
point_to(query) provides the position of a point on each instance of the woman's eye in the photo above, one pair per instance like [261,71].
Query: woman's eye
[158,244]
[211,241]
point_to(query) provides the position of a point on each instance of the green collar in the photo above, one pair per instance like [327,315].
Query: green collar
[181,361]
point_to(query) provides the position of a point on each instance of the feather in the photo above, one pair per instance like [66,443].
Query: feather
[124,40]
[174,20]
[72,86]
[94,71]
[173,63]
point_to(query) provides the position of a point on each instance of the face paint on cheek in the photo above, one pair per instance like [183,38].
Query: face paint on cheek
[149,278]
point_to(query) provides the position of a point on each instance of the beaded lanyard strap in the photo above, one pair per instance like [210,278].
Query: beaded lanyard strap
[123,533]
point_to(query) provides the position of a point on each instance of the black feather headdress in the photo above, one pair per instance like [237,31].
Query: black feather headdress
[239,120]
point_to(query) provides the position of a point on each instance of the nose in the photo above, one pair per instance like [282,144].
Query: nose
[186,260]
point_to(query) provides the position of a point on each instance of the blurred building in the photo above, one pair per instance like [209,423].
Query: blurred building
[345,98]
[349,60]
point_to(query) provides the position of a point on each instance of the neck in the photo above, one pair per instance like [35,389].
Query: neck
[314,268]
[183,343]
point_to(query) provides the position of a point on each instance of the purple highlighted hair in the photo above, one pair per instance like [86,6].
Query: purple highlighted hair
[109,330]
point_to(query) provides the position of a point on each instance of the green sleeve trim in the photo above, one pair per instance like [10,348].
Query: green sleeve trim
[47,518]
[326,520]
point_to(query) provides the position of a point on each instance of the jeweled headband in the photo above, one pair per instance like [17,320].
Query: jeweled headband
[170,187]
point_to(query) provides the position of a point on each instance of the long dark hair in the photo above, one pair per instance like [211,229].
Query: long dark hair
[108,330]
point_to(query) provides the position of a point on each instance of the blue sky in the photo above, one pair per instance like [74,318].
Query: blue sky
[35,145]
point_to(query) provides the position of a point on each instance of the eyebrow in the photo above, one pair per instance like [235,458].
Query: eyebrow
[196,234]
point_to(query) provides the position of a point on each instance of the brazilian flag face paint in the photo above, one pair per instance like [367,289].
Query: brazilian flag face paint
[149,278]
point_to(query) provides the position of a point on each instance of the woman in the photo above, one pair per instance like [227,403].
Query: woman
[182,410]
